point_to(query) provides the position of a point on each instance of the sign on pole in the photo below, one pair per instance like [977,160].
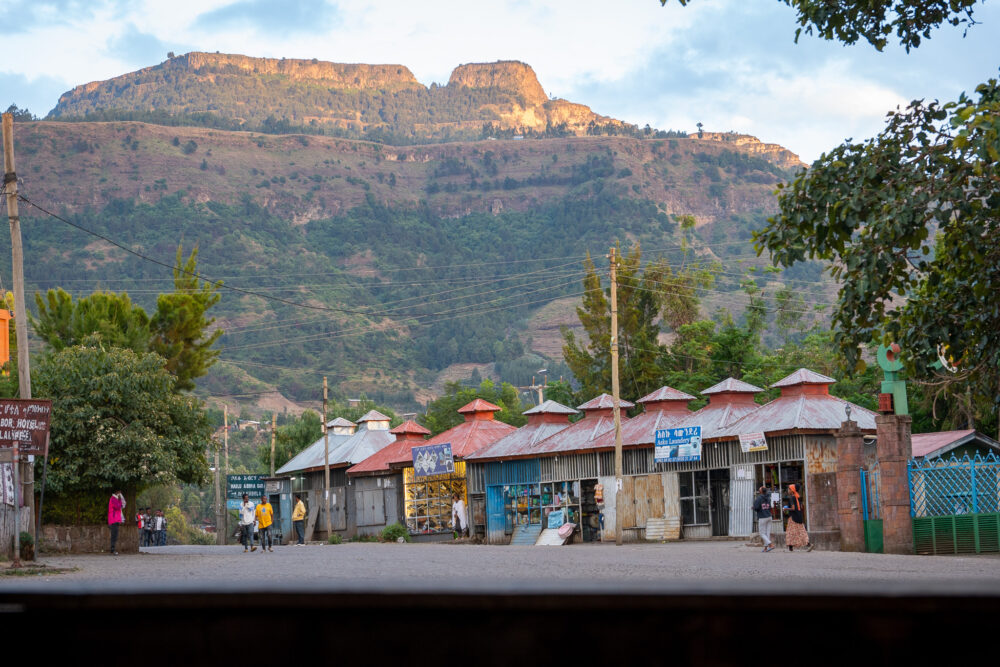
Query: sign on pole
[237,485]
[753,442]
[678,445]
[433,460]
[25,423]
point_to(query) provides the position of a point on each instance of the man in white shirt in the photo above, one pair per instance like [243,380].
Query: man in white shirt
[247,519]
[459,519]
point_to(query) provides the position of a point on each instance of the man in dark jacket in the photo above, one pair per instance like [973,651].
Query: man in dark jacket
[762,508]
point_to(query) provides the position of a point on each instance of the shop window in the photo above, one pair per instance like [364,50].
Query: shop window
[428,500]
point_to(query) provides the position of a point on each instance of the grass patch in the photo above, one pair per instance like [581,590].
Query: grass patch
[35,570]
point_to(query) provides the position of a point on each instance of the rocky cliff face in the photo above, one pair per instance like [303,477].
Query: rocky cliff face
[773,153]
[340,75]
[509,75]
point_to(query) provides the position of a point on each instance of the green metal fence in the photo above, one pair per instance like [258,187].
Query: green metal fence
[955,504]
[957,534]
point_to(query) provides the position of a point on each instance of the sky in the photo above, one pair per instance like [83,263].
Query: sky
[729,64]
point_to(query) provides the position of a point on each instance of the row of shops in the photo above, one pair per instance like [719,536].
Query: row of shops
[517,482]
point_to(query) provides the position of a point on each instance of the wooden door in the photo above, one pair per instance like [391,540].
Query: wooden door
[640,501]
[654,497]
[625,502]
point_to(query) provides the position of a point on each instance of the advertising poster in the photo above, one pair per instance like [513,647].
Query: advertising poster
[678,445]
[433,460]
[753,442]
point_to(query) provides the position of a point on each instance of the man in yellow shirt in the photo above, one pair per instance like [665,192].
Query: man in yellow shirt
[265,516]
[299,520]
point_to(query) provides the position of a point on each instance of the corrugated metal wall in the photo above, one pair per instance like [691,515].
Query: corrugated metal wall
[741,495]
[475,475]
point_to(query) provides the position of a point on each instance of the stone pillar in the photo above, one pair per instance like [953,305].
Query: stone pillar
[894,450]
[850,444]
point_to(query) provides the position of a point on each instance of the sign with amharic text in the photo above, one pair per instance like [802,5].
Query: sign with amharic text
[26,423]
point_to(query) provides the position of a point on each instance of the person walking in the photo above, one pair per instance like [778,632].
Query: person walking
[299,520]
[265,516]
[762,508]
[459,518]
[247,519]
[795,534]
[116,506]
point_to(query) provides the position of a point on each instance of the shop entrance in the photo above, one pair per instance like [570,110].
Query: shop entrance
[776,477]
[720,501]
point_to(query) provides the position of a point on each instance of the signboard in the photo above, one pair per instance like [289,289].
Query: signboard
[433,460]
[753,442]
[237,485]
[678,445]
[25,422]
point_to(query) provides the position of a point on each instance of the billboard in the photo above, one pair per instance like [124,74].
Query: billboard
[678,445]
[753,442]
[433,460]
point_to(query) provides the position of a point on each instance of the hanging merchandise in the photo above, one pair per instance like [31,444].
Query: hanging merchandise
[599,493]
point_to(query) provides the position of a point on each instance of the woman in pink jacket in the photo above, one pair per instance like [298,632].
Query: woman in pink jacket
[116,507]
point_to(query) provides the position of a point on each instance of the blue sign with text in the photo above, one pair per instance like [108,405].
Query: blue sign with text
[433,460]
[678,445]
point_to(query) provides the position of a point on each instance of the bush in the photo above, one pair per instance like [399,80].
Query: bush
[27,538]
[335,539]
[395,531]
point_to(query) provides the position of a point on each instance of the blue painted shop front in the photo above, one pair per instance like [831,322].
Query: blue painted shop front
[511,489]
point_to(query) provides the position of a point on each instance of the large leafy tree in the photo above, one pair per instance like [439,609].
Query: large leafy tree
[442,413]
[63,323]
[180,327]
[116,424]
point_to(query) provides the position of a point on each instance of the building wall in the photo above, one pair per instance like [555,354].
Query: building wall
[821,488]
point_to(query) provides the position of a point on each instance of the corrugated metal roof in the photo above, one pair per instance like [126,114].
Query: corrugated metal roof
[519,443]
[604,402]
[361,445]
[732,385]
[666,394]
[641,429]
[803,376]
[715,417]
[550,407]
[407,434]
[465,438]
[313,456]
[479,405]
[339,421]
[410,426]
[928,443]
[578,437]
[373,416]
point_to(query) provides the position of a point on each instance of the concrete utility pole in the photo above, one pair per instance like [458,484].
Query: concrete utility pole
[21,470]
[615,396]
[274,417]
[220,535]
[326,464]
[225,444]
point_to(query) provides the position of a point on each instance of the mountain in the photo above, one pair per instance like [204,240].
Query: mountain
[387,267]
[372,101]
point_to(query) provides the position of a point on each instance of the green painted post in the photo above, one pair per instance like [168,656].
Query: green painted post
[888,360]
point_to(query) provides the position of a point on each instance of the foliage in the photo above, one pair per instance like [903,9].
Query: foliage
[181,532]
[116,422]
[180,328]
[442,413]
[27,538]
[363,538]
[335,539]
[20,115]
[908,221]
[61,323]
[393,532]
[876,20]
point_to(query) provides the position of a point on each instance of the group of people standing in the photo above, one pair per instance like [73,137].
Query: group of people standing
[256,522]
[152,525]
[152,528]
[795,531]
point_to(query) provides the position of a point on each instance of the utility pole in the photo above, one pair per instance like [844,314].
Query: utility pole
[220,535]
[225,444]
[616,398]
[21,470]
[274,417]
[326,464]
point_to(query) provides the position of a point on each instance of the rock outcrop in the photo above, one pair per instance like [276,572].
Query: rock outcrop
[773,153]
[507,75]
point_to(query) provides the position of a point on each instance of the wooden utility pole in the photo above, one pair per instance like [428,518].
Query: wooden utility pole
[21,470]
[274,417]
[326,464]
[225,444]
[616,398]
[220,534]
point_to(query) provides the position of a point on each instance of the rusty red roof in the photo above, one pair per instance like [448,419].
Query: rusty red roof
[805,404]
[479,405]
[666,394]
[578,437]
[465,438]
[803,376]
[938,444]
[410,426]
[732,385]
[543,420]
[604,402]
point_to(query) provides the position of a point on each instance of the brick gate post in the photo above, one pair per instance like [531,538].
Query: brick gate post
[894,450]
[849,511]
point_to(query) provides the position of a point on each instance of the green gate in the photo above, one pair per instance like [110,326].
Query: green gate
[871,511]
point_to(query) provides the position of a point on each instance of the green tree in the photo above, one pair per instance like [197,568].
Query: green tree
[442,413]
[63,323]
[291,438]
[116,425]
[875,20]
[179,326]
